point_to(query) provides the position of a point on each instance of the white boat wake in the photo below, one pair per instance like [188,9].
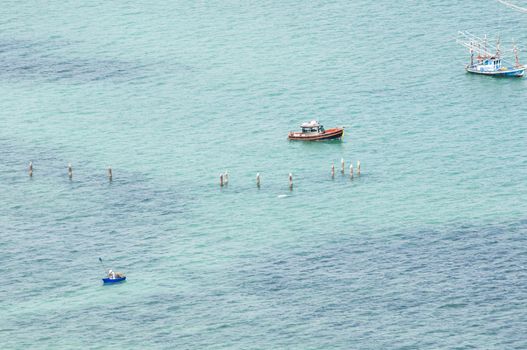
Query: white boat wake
[513,6]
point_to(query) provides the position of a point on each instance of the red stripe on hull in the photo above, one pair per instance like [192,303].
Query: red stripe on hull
[330,134]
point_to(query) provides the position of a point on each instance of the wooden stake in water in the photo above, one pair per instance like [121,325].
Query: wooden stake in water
[342,166]
[70,171]
[332,170]
[290,181]
[258,180]
[30,169]
[110,174]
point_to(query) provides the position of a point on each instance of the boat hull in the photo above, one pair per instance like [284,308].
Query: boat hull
[330,134]
[509,72]
[113,280]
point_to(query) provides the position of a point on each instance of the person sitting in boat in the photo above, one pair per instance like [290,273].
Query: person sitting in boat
[111,274]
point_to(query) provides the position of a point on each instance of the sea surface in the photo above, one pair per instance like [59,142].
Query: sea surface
[427,249]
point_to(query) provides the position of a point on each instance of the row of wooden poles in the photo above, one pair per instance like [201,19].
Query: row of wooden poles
[70,171]
[224,177]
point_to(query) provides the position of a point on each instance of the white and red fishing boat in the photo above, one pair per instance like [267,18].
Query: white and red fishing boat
[313,131]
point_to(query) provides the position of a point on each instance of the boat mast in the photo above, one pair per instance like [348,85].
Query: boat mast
[485,44]
[516,58]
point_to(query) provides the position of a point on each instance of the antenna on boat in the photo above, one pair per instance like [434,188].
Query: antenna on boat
[498,51]
[472,42]
[515,50]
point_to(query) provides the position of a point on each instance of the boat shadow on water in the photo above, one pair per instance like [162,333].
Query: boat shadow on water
[113,281]
[320,144]
[494,78]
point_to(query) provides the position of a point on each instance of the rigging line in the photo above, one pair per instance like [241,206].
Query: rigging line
[512,6]
[499,22]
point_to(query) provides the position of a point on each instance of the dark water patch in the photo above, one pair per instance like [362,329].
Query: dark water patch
[25,59]
[428,281]
[74,70]
[57,228]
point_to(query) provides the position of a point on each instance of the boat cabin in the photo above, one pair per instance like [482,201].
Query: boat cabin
[487,63]
[313,127]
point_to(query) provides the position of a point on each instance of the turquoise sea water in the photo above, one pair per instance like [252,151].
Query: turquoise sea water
[425,250]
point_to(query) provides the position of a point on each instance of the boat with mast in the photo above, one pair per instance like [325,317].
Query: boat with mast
[487,59]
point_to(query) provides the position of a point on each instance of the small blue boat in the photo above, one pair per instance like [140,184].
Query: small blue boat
[114,280]
[112,276]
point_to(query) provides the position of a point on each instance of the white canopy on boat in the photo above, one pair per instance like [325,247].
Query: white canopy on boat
[311,124]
